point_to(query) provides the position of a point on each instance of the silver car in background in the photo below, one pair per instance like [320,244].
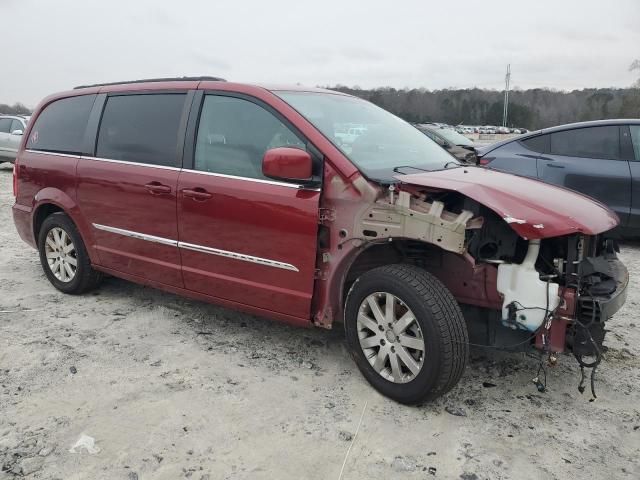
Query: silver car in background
[11,129]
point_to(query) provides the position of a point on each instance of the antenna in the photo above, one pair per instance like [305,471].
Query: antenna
[505,111]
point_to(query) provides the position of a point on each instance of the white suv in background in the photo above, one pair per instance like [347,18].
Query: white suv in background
[11,129]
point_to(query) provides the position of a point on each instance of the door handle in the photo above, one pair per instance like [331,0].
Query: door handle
[156,188]
[199,194]
[553,165]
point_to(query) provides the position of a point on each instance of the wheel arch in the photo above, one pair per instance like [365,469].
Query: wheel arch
[469,282]
[41,213]
[52,200]
[375,255]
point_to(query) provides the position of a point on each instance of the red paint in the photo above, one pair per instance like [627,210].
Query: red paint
[560,323]
[287,163]
[532,208]
[15,180]
[471,283]
[243,307]
[22,221]
[45,179]
[121,195]
[253,218]
[342,200]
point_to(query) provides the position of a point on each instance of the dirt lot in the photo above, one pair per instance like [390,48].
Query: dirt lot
[170,388]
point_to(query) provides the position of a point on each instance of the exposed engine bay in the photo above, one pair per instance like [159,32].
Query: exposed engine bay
[555,293]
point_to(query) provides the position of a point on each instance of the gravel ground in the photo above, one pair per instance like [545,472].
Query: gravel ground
[170,388]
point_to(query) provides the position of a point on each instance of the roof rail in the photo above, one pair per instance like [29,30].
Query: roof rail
[152,80]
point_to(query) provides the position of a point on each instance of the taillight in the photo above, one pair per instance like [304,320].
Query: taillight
[484,161]
[15,179]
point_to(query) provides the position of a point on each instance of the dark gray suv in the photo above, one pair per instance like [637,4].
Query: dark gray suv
[600,159]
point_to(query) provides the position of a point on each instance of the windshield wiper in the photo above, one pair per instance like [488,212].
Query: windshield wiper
[397,169]
[446,165]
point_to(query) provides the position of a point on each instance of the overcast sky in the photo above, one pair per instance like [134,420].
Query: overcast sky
[564,44]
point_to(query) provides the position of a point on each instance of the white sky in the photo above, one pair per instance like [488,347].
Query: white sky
[563,44]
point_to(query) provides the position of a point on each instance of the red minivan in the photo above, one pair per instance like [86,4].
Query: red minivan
[258,198]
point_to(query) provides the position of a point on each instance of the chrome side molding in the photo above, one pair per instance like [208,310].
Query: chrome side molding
[198,248]
[237,256]
[138,235]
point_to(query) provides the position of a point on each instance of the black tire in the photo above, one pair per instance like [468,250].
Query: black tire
[85,278]
[439,318]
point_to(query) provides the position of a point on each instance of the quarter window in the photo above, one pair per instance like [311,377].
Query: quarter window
[141,128]
[538,144]
[61,125]
[16,125]
[234,134]
[635,138]
[592,142]
[5,125]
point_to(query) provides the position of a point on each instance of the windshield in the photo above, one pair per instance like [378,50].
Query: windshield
[372,138]
[454,137]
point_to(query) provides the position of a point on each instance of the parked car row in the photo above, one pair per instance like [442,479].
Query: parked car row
[11,129]
[489,129]
[455,143]
[468,129]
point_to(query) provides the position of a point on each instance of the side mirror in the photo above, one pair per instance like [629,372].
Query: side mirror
[286,163]
[17,132]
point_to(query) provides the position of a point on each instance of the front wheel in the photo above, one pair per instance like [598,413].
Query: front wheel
[406,333]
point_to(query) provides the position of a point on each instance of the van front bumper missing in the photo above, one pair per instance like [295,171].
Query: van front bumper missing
[605,298]
[578,324]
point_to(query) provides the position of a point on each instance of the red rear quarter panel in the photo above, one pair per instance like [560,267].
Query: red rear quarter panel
[47,179]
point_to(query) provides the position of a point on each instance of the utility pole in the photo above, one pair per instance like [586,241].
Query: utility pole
[505,110]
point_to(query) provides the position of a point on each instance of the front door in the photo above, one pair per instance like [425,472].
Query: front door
[244,237]
[128,191]
[590,161]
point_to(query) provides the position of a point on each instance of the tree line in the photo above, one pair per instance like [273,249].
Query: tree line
[15,109]
[532,109]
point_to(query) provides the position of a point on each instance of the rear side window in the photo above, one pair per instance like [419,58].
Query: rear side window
[5,125]
[538,144]
[592,142]
[61,125]
[141,128]
[234,134]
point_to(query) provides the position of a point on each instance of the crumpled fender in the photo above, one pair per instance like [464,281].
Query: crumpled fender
[533,209]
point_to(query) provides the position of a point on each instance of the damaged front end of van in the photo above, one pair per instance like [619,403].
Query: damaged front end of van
[530,264]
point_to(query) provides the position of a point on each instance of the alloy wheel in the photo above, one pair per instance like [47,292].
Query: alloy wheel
[390,337]
[61,254]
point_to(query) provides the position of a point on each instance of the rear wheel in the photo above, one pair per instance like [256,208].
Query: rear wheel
[64,257]
[406,333]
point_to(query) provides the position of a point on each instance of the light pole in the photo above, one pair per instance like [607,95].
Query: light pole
[505,110]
